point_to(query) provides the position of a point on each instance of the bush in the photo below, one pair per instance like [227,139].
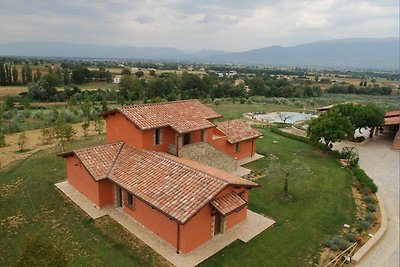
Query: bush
[37,115]
[369,200]
[365,180]
[370,217]
[343,244]
[371,207]
[334,247]
[351,237]
[328,243]
[363,224]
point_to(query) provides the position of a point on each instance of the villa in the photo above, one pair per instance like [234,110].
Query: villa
[155,167]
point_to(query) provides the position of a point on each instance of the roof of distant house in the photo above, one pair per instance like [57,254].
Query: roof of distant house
[175,186]
[393,113]
[183,116]
[237,131]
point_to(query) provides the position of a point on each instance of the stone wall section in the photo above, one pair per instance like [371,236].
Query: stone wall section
[209,155]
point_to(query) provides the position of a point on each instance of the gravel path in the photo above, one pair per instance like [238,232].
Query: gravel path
[383,164]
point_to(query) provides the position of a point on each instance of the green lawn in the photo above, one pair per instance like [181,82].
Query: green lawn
[30,205]
[319,205]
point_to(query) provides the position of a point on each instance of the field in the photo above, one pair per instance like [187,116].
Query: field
[319,205]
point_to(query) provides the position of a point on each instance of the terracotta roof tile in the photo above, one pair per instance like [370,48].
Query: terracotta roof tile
[174,188]
[393,113]
[228,203]
[237,131]
[98,160]
[183,116]
[177,187]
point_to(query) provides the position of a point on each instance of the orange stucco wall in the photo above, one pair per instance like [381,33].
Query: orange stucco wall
[167,137]
[154,220]
[247,147]
[100,193]
[118,128]
[197,230]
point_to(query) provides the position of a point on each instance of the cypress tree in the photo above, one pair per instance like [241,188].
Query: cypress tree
[15,75]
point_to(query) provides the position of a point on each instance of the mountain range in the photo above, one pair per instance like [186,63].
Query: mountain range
[360,53]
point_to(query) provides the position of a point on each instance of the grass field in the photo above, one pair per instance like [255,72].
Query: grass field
[30,205]
[319,205]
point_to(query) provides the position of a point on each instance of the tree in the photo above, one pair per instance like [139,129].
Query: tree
[26,102]
[47,136]
[3,76]
[332,127]
[40,253]
[22,141]
[286,172]
[15,75]
[126,71]
[85,128]
[368,116]
[139,73]
[63,132]
[99,125]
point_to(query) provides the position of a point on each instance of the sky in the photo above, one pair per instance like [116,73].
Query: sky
[235,25]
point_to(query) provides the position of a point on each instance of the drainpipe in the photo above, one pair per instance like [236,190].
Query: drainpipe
[177,237]
[177,145]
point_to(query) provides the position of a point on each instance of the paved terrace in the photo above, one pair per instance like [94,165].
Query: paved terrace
[245,231]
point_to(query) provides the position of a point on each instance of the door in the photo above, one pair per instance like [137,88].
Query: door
[118,196]
[217,223]
[186,139]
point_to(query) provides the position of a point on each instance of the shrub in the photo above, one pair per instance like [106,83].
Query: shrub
[369,200]
[328,243]
[362,224]
[37,115]
[334,247]
[242,100]
[370,217]
[371,207]
[343,244]
[365,180]
[22,141]
[18,118]
[365,191]
[351,237]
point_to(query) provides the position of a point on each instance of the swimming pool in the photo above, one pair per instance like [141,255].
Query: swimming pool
[288,117]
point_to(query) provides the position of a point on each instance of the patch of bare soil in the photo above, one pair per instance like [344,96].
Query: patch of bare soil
[33,144]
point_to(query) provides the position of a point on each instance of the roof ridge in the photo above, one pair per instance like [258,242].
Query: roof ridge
[158,104]
[115,160]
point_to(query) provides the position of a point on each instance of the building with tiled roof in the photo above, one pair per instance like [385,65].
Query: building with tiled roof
[141,170]
[167,127]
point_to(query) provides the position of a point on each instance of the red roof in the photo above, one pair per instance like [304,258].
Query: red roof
[183,116]
[98,160]
[394,113]
[228,203]
[237,131]
[175,186]
[392,121]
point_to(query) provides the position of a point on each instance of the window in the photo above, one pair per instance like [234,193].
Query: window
[157,137]
[237,147]
[131,200]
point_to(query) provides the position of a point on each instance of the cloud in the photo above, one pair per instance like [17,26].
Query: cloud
[232,25]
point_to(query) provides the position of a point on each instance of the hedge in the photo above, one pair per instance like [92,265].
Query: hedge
[365,180]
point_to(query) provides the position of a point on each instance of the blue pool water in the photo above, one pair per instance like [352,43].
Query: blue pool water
[291,117]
